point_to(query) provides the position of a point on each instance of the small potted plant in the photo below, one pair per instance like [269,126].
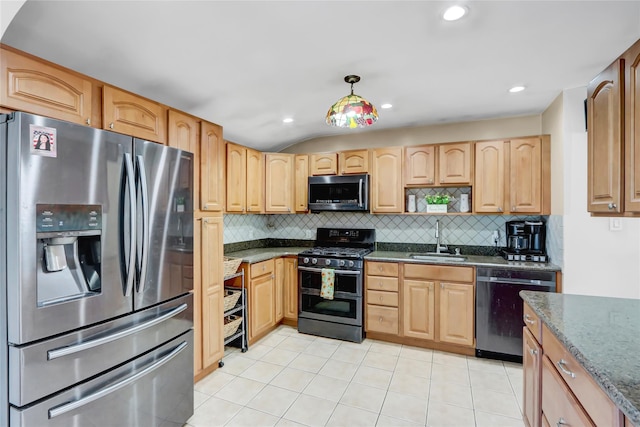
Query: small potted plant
[437,203]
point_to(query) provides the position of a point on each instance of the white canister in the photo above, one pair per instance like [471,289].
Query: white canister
[464,203]
[411,203]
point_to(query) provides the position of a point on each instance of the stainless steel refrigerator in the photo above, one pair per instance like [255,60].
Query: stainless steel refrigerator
[96,318]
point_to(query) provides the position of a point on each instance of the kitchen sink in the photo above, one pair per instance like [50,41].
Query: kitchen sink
[436,257]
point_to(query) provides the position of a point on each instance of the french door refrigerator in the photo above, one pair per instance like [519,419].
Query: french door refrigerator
[96,316]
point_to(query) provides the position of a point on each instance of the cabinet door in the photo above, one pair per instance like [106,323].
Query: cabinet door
[301,196]
[212,167]
[605,135]
[532,371]
[212,290]
[386,181]
[278,183]
[454,163]
[279,293]
[130,114]
[419,308]
[632,128]
[291,288]
[525,167]
[255,181]
[197,296]
[236,177]
[489,182]
[324,164]
[420,165]
[456,313]
[261,309]
[40,88]
[184,134]
[353,162]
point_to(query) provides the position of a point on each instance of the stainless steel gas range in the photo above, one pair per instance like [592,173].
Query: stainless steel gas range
[341,252]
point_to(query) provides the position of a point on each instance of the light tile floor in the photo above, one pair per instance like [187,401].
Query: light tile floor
[292,379]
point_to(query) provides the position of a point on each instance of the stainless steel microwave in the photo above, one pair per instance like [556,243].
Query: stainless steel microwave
[339,193]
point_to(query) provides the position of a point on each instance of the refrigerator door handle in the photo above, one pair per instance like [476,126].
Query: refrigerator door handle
[91,343]
[60,410]
[131,264]
[143,247]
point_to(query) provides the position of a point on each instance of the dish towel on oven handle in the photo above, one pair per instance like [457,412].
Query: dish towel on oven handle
[328,279]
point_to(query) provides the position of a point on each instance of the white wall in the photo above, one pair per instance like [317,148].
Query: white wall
[596,261]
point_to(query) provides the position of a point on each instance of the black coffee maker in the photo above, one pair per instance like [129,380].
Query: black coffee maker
[525,241]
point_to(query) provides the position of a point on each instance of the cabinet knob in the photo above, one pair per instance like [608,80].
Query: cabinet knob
[88,122]
[533,351]
[612,206]
[513,208]
[560,422]
[499,209]
[380,320]
[381,298]
[528,319]
[430,181]
[110,125]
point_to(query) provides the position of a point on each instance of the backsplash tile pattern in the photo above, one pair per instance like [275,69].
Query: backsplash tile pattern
[555,239]
[475,230]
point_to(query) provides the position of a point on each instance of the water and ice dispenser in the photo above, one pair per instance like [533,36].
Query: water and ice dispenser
[69,252]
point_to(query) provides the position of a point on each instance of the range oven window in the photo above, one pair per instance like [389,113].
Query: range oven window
[344,308]
[348,283]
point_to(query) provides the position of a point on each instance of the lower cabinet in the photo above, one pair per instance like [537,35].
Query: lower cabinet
[291,290]
[261,298]
[381,311]
[532,371]
[278,303]
[419,309]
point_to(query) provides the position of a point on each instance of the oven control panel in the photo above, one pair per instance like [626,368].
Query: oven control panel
[323,262]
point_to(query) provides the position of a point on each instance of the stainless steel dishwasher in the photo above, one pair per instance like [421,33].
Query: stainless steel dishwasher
[499,308]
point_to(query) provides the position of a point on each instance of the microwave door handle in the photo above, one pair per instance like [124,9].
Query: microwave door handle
[360,193]
[131,263]
[144,245]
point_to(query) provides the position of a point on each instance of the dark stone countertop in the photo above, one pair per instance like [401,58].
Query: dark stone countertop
[603,334]
[252,256]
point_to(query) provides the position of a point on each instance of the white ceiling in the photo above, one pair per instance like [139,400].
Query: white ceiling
[248,64]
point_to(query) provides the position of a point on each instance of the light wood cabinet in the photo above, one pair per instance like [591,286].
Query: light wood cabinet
[255,181]
[261,299]
[532,372]
[420,165]
[279,292]
[38,87]
[236,178]
[513,176]
[291,289]
[353,162]
[212,168]
[439,303]
[184,134]
[301,183]
[454,163]
[133,115]
[197,297]
[381,297]
[212,290]
[632,128]
[279,183]
[323,164]
[387,193]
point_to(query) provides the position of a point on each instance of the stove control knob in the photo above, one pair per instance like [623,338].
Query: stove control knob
[351,264]
[305,260]
[327,261]
[341,263]
[314,261]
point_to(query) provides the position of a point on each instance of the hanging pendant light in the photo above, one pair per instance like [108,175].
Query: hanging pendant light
[352,111]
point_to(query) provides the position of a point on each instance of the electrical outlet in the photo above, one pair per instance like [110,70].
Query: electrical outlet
[308,234]
[496,236]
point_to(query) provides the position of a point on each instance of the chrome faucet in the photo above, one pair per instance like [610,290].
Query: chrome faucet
[439,247]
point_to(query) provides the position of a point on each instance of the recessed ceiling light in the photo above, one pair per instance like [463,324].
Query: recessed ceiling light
[454,13]
[516,89]
[287,120]
[385,106]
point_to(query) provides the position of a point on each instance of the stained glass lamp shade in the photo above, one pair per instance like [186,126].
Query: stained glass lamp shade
[352,111]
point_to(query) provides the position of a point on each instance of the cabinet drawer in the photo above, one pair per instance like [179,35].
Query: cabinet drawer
[533,323]
[557,401]
[389,269]
[595,402]
[382,298]
[382,319]
[439,272]
[262,268]
[378,283]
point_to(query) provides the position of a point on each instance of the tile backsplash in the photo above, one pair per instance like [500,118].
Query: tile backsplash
[469,230]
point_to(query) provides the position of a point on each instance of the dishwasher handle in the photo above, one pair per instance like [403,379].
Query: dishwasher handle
[511,281]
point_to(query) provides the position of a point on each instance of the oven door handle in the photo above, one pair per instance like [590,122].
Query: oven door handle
[337,294]
[319,270]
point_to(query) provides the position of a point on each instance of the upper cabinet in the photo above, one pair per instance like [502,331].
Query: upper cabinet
[324,164]
[387,195]
[438,164]
[212,164]
[184,133]
[279,185]
[41,88]
[614,137]
[353,162]
[124,112]
[513,176]
[245,178]
[301,196]
[255,181]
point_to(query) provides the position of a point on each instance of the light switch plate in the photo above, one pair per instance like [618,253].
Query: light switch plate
[615,224]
